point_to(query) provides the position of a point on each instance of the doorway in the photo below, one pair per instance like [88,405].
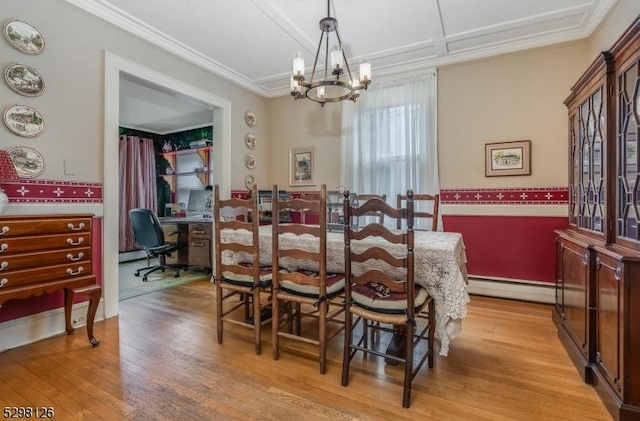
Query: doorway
[115,67]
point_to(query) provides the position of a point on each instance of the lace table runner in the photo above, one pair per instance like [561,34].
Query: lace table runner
[440,266]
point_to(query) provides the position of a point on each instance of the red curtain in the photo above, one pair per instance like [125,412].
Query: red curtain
[137,183]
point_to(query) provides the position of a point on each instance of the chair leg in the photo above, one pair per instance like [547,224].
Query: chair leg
[322,336]
[275,324]
[298,319]
[431,333]
[348,334]
[408,366]
[219,293]
[257,319]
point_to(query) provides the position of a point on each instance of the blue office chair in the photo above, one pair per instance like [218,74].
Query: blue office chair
[148,233]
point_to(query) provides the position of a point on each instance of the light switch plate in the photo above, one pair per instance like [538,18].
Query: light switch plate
[69,167]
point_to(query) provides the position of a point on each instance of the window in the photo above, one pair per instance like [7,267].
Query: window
[389,137]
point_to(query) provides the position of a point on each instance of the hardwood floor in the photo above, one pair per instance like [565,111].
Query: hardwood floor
[160,360]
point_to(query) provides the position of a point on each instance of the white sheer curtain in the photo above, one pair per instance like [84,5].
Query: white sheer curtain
[389,139]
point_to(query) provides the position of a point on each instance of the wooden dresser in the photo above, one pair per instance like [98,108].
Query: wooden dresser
[40,254]
[597,307]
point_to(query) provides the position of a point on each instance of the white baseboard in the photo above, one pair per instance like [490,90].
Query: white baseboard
[540,292]
[32,328]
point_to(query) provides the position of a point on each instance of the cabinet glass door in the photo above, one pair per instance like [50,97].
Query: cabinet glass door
[588,163]
[628,86]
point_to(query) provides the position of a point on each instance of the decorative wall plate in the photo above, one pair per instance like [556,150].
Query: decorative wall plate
[249,181]
[24,80]
[24,120]
[28,162]
[250,140]
[23,37]
[250,161]
[250,118]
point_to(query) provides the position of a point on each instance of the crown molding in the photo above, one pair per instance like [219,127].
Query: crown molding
[136,27]
[123,20]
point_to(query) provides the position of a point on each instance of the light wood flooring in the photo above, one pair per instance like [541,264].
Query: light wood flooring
[160,360]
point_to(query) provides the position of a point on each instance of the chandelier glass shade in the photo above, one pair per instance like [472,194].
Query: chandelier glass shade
[336,83]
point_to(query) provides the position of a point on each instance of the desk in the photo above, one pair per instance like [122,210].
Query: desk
[440,266]
[198,232]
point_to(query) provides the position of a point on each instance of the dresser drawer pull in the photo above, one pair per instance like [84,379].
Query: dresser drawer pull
[5,230]
[618,273]
[3,247]
[71,272]
[585,259]
[73,259]
[73,228]
[3,282]
[197,244]
[198,232]
[70,241]
[3,265]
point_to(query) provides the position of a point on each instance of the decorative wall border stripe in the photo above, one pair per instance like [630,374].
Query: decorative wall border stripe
[52,191]
[480,196]
[506,196]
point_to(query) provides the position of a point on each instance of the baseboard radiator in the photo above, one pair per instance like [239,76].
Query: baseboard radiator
[539,292]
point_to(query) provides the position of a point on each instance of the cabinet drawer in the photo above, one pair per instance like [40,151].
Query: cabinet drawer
[200,230]
[27,260]
[58,241]
[48,273]
[200,252]
[16,228]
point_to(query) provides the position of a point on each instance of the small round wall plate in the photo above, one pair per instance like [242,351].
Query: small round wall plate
[250,161]
[250,140]
[250,118]
[23,37]
[249,181]
[28,162]
[24,80]
[23,120]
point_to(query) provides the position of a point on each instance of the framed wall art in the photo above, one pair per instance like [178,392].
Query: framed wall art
[250,140]
[249,181]
[27,161]
[23,37]
[250,161]
[250,119]
[508,158]
[302,166]
[23,120]
[24,80]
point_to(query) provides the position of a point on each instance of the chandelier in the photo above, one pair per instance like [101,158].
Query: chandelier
[335,84]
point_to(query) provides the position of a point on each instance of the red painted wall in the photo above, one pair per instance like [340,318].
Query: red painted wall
[518,247]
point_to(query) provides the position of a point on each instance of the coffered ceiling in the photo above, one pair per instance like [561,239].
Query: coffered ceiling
[251,42]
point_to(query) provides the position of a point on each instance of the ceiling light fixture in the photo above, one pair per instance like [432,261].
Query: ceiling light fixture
[335,86]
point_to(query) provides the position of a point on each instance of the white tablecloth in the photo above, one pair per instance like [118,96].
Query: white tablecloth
[440,266]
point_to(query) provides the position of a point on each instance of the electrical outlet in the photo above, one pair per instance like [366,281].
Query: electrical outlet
[78,320]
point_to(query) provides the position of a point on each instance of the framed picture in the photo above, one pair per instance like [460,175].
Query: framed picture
[24,37]
[302,166]
[24,80]
[24,120]
[508,158]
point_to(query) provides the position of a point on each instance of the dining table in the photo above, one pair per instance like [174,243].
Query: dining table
[440,267]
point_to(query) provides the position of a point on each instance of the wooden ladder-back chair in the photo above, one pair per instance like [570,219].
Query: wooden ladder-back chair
[430,201]
[301,281]
[363,198]
[375,294]
[238,271]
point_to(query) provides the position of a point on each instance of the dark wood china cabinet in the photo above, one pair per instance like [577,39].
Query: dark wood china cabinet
[597,307]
